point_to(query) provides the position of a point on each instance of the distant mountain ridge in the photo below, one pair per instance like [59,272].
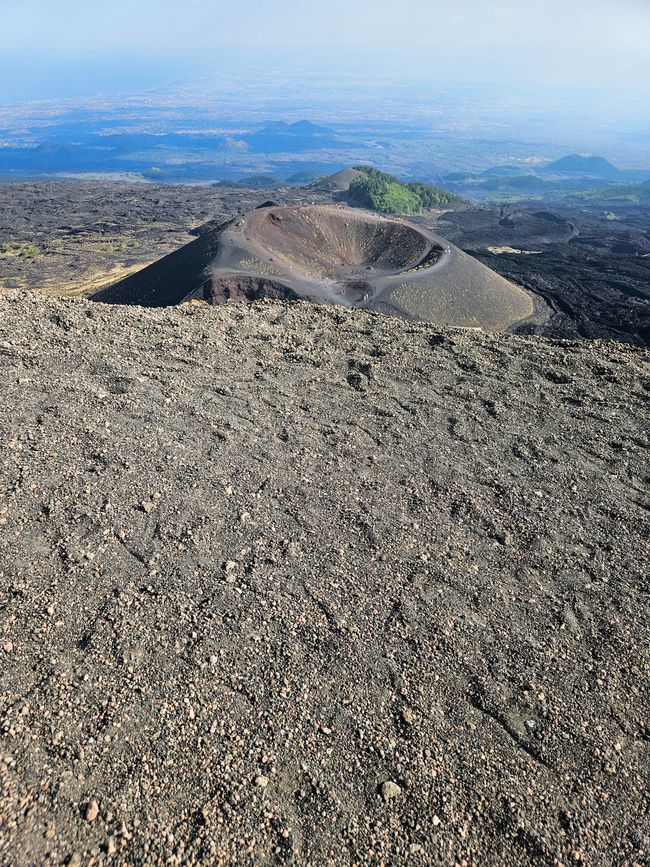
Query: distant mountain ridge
[505,172]
[299,128]
[290,138]
[593,166]
[570,178]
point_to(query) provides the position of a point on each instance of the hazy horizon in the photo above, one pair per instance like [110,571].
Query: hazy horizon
[577,43]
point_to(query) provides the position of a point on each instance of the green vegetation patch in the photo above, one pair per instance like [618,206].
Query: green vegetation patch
[382,192]
[27,251]
[631,193]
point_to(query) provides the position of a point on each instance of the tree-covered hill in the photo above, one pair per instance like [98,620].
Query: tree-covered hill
[385,193]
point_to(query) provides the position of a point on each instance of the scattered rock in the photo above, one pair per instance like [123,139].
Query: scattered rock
[92,811]
[390,790]
[123,831]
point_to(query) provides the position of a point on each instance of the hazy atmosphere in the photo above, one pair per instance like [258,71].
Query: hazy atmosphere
[578,42]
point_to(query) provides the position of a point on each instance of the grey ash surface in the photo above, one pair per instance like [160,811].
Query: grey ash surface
[259,562]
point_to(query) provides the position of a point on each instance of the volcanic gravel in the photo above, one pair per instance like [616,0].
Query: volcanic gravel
[293,584]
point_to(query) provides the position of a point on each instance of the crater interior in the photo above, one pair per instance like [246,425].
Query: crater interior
[337,244]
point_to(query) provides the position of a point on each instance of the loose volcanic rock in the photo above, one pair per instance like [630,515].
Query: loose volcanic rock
[438,545]
[390,790]
[92,811]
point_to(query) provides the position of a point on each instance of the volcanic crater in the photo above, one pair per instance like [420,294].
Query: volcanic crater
[331,254]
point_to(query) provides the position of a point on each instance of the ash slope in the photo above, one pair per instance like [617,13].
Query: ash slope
[258,561]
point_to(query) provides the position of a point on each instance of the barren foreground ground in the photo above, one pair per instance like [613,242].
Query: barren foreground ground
[287,583]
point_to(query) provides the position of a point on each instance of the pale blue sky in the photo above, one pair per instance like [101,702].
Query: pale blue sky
[547,40]
[57,48]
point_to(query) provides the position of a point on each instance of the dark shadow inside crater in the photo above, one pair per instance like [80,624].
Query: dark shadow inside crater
[241,287]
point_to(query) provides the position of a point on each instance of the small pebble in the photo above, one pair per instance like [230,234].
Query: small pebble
[123,831]
[92,811]
[390,790]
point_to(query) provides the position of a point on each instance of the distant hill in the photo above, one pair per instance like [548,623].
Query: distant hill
[459,177]
[339,182]
[387,194]
[519,183]
[301,128]
[253,182]
[300,137]
[596,167]
[505,172]
[303,177]
[630,193]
